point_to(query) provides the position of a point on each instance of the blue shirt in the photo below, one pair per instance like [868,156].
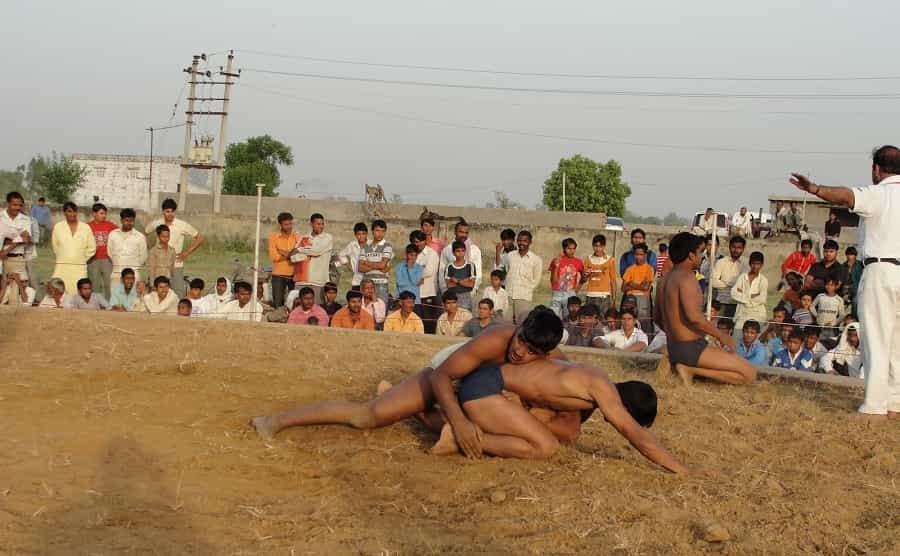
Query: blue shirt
[42,215]
[119,297]
[407,279]
[804,361]
[627,259]
[757,354]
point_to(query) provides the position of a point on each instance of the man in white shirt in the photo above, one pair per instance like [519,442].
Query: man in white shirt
[162,300]
[725,273]
[473,255]
[525,272]
[18,225]
[708,221]
[879,289]
[241,308]
[127,248]
[741,223]
[316,246]
[628,338]
[178,231]
[428,258]
[349,255]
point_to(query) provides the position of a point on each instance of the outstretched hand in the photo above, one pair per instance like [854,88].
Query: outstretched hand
[801,182]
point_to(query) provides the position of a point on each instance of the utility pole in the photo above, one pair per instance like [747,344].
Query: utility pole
[564,191]
[220,159]
[188,130]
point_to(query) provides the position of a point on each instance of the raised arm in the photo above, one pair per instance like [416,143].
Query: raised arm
[837,195]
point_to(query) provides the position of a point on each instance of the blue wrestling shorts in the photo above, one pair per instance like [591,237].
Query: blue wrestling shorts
[482,382]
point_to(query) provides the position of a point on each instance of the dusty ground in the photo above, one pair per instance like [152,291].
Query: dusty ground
[126,434]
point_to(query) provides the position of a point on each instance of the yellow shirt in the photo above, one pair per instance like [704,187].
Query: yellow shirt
[637,274]
[411,324]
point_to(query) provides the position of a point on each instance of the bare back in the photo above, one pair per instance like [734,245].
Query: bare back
[678,295]
[558,385]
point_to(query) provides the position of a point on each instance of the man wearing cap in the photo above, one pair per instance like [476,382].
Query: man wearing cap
[879,289]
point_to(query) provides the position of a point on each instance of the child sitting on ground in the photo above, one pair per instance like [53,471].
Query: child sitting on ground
[794,356]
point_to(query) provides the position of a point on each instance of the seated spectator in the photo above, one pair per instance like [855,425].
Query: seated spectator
[223,294]
[484,320]
[87,299]
[24,295]
[779,342]
[161,257]
[803,315]
[56,297]
[460,276]
[408,274]
[726,325]
[312,321]
[497,293]
[628,338]
[308,308]
[373,304]
[791,297]
[573,306]
[828,308]
[353,316]
[264,290]
[331,305]
[854,270]
[242,308]
[813,345]
[162,300]
[451,322]
[846,358]
[821,271]
[125,294]
[798,261]
[185,308]
[405,318]
[794,356]
[199,303]
[587,330]
[750,348]
[773,330]
[611,321]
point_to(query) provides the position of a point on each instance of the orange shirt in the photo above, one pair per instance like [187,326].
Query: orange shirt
[637,274]
[602,275]
[282,265]
[342,319]
[301,269]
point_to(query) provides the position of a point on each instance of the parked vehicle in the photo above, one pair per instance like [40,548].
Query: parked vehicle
[615,224]
[723,224]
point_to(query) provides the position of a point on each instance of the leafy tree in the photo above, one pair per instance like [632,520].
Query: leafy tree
[590,186]
[502,201]
[253,161]
[55,177]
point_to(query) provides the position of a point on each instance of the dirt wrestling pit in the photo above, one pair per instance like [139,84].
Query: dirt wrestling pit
[126,434]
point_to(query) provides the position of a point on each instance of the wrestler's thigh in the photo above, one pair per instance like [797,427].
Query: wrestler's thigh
[497,415]
[405,399]
[717,358]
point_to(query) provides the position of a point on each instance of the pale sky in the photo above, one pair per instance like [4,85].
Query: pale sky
[91,76]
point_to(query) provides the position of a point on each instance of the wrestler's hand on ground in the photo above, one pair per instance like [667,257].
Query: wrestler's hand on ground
[468,436]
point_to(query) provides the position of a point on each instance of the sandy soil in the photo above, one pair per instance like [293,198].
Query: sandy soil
[124,434]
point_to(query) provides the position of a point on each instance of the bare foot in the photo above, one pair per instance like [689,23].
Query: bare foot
[687,377]
[383,387]
[265,426]
[446,444]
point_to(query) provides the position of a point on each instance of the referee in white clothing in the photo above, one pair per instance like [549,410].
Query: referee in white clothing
[879,289]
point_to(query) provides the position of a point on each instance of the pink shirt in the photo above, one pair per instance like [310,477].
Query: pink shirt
[299,316]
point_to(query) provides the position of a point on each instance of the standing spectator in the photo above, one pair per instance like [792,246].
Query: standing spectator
[741,223]
[316,247]
[56,297]
[586,331]
[242,307]
[405,319]
[725,273]
[484,320]
[331,305]
[375,259]
[833,226]
[87,299]
[162,300]
[496,293]
[40,213]
[352,316]
[161,259]
[565,277]
[427,227]
[846,358]
[792,218]
[127,248]
[461,276]
[803,314]
[750,347]
[349,255]
[525,270]
[472,255]
[373,304]
[638,237]
[454,318]
[854,270]
[638,281]
[178,230]
[601,277]
[751,292]
[503,248]
[798,261]
[19,231]
[794,356]
[663,263]
[73,244]
[281,245]
[99,266]
[827,268]
[429,260]
[828,308]
[408,275]
[125,292]
[307,309]
[628,338]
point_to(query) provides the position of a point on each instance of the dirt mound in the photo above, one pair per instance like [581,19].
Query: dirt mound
[127,434]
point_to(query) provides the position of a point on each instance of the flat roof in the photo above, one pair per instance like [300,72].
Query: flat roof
[799,199]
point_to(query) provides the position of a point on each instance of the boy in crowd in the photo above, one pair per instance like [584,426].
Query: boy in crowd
[349,255]
[798,261]
[803,315]
[199,303]
[828,267]
[99,266]
[751,292]
[791,297]
[482,321]
[331,305]
[587,330]
[600,276]
[408,274]
[87,299]
[854,270]
[405,319]
[453,319]
[161,258]
[460,276]
[573,306]
[19,296]
[426,225]
[504,247]
[353,316]
[828,308]
[773,330]
[637,281]
[375,260]
[813,345]
[128,294]
[185,308]
[497,293]
[726,326]
[429,304]
[565,277]
[162,300]
[611,321]
[750,348]
[628,338]
[794,356]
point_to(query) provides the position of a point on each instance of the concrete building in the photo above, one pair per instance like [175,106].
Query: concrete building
[816,211]
[121,180]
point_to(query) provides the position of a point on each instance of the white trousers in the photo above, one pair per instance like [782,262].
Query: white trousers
[879,315]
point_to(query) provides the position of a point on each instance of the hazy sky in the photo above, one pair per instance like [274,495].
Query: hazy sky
[91,76]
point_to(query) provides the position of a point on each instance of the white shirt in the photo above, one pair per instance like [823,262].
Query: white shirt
[21,223]
[473,255]
[319,253]
[879,230]
[524,275]
[429,260]
[178,231]
[741,223]
[127,250]
[725,273]
[500,298]
[349,255]
[232,310]
[169,305]
[617,339]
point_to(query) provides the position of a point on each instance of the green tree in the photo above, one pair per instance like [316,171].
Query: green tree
[590,186]
[55,177]
[254,161]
